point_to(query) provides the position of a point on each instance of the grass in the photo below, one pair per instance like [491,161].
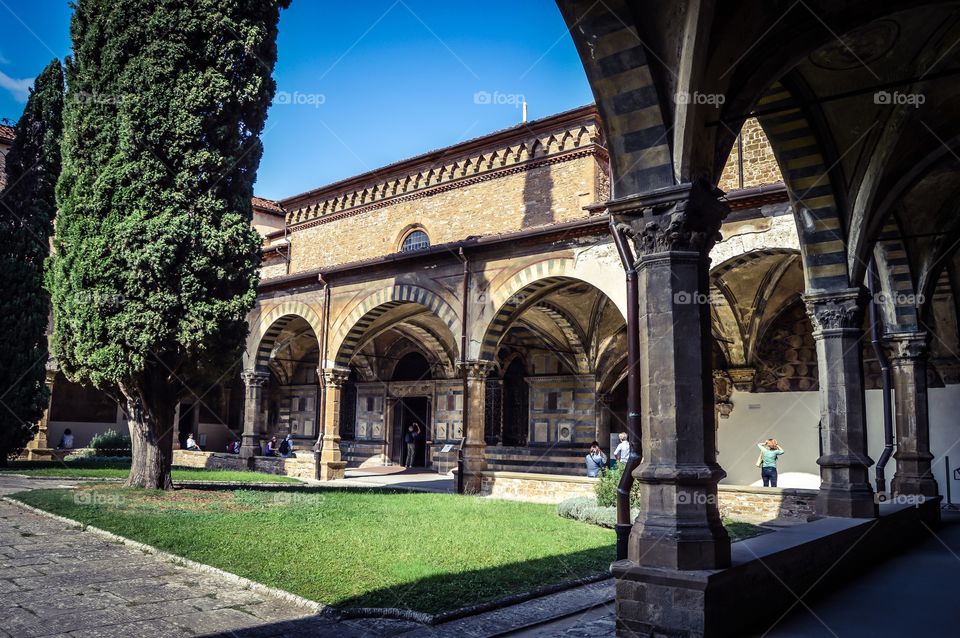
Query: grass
[353,548]
[101,469]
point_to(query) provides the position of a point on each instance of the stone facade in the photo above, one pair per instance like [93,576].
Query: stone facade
[756,161]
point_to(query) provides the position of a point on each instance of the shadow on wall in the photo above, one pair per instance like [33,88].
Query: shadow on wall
[537,194]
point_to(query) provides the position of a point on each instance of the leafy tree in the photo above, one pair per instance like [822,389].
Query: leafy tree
[156,262]
[27,208]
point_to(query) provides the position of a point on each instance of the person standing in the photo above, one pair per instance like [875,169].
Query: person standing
[410,439]
[596,460]
[623,452]
[770,451]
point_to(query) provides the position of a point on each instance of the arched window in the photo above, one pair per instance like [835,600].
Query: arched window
[416,240]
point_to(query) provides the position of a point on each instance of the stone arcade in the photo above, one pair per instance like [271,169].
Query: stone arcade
[476,290]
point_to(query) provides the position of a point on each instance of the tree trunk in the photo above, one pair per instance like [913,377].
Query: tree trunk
[150,419]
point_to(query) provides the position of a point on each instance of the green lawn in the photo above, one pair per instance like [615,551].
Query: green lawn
[100,469]
[353,548]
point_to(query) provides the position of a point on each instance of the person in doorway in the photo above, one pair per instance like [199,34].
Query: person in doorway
[770,451]
[410,439]
[192,443]
[286,447]
[233,447]
[596,460]
[66,441]
[623,451]
[271,447]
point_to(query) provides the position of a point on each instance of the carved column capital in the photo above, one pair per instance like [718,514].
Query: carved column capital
[254,378]
[476,369]
[742,378]
[334,377]
[908,346]
[836,310]
[680,218]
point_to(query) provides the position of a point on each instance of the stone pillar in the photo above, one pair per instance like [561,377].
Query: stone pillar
[474,446]
[909,366]
[679,524]
[39,440]
[837,318]
[602,433]
[331,466]
[253,381]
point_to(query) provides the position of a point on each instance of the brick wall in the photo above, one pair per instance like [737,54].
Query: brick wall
[754,505]
[302,466]
[547,194]
[759,164]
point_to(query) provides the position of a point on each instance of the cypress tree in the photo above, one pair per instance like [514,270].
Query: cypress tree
[27,208]
[155,261]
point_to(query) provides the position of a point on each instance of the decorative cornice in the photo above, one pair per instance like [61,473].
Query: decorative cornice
[380,196]
[839,310]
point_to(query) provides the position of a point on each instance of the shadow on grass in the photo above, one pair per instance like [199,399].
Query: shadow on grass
[443,593]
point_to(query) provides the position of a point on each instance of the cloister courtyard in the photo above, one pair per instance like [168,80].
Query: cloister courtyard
[677,356]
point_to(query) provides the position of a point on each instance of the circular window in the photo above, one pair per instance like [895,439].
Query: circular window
[417,240]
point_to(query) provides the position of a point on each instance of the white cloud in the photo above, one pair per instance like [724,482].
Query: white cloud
[20,89]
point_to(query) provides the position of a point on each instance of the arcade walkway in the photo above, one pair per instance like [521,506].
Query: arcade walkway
[910,595]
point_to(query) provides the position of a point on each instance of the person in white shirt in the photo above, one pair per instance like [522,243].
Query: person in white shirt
[66,441]
[622,453]
[192,443]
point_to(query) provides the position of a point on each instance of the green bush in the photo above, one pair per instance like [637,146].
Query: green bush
[111,443]
[606,488]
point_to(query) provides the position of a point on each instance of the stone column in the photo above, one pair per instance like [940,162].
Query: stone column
[331,465]
[602,433]
[679,528]
[253,381]
[837,318]
[474,446]
[39,440]
[909,366]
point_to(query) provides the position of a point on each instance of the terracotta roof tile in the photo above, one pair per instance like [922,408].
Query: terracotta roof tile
[7,133]
[267,206]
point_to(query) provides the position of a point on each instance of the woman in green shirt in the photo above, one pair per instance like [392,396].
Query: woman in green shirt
[769,451]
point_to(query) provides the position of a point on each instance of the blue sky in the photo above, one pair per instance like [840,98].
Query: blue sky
[363,84]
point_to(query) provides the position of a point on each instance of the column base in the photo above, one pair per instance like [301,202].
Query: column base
[474,463]
[847,502]
[332,470]
[914,485]
[249,447]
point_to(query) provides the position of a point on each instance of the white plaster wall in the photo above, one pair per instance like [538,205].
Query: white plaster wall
[944,406]
[791,418]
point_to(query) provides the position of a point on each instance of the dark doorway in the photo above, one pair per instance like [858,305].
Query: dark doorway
[185,424]
[516,416]
[406,412]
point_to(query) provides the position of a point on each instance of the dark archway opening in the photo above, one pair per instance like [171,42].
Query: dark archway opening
[407,412]
[412,366]
[516,420]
